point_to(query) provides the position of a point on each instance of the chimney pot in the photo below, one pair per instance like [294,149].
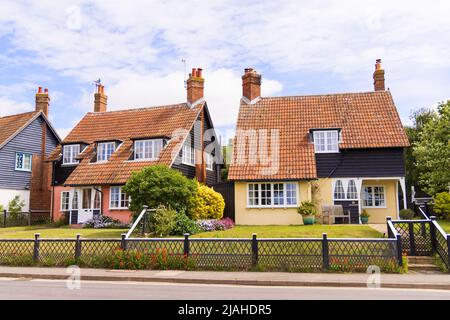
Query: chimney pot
[251,84]
[100,99]
[39,89]
[46,90]
[378,77]
[195,86]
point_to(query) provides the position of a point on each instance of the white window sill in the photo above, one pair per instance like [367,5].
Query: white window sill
[119,209]
[345,200]
[327,152]
[70,164]
[188,164]
[374,207]
[22,170]
[143,160]
[272,207]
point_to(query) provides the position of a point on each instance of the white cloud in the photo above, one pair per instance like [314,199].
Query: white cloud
[136,49]
[9,107]
[223,90]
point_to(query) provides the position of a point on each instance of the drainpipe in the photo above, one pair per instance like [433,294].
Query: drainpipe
[52,202]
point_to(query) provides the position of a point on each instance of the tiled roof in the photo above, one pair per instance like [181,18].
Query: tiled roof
[126,126]
[10,125]
[366,120]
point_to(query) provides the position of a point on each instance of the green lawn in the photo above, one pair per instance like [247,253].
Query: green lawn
[63,232]
[316,231]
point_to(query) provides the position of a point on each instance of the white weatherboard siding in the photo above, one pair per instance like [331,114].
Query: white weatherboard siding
[7,195]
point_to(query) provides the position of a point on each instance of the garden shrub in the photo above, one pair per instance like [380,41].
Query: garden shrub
[15,207]
[406,214]
[162,221]
[183,225]
[442,205]
[160,185]
[307,208]
[104,222]
[215,225]
[207,204]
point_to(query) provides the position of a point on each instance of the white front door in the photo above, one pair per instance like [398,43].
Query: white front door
[86,210]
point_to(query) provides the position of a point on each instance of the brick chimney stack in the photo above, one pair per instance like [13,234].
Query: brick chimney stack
[100,99]
[195,86]
[42,101]
[251,85]
[378,77]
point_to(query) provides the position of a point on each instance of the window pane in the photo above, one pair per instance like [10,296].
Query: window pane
[253,195]
[291,194]
[75,200]
[379,197]
[266,194]
[352,193]
[367,197]
[115,196]
[87,197]
[278,194]
[339,192]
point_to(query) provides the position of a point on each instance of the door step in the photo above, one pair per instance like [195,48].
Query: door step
[422,265]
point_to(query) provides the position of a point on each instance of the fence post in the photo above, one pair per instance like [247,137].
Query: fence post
[433,234]
[29,217]
[412,242]
[4,218]
[78,248]
[325,252]
[36,247]
[254,250]
[399,250]
[123,242]
[389,232]
[426,208]
[186,245]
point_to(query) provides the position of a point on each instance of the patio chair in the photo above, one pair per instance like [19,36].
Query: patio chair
[338,212]
[327,214]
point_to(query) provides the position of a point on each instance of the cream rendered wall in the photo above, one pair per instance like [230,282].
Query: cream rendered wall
[7,195]
[322,192]
[268,216]
[379,215]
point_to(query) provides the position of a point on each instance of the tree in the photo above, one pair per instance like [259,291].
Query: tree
[419,119]
[160,185]
[432,151]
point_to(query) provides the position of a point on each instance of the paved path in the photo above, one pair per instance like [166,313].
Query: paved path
[381,227]
[56,289]
[407,281]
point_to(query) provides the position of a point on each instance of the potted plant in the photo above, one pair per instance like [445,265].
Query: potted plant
[308,211]
[365,217]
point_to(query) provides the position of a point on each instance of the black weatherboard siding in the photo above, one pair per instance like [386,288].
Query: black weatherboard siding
[383,162]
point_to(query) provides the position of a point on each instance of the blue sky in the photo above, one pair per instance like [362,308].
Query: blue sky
[136,48]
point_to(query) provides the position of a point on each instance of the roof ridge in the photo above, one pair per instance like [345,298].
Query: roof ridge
[326,94]
[182,104]
[18,114]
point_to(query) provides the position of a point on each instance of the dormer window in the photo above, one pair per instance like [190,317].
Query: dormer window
[105,150]
[326,141]
[147,149]
[70,153]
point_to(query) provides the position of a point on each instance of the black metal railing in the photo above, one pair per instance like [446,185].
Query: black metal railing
[440,242]
[312,255]
[27,218]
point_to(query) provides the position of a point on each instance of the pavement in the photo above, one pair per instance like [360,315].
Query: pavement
[32,289]
[355,280]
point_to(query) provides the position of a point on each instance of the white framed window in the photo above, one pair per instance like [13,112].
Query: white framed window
[118,199]
[65,201]
[70,153]
[374,197]
[23,161]
[105,150]
[147,149]
[326,141]
[345,189]
[280,194]
[339,193]
[188,155]
[209,159]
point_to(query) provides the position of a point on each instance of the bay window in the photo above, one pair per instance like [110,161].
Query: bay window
[326,141]
[147,149]
[281,194]
[105,150]
[70,153]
